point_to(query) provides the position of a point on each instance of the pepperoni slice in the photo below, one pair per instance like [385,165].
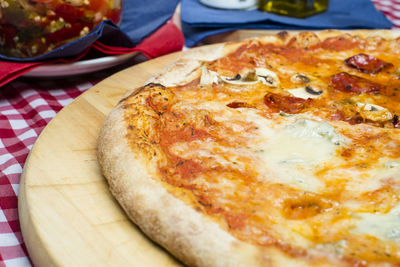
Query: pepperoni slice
[353,84]
[367,63]
[288,104]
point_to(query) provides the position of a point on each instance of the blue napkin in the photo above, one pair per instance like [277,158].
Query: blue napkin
[139,20]
[199,21]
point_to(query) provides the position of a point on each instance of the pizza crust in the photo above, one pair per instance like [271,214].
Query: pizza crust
[186,233]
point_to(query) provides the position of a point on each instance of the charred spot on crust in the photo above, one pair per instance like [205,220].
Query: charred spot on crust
[141,89]
[282,35]
[151,85]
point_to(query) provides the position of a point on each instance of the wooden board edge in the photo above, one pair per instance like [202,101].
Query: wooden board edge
[30,235]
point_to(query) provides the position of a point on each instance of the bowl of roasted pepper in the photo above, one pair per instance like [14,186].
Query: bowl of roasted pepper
[30,28]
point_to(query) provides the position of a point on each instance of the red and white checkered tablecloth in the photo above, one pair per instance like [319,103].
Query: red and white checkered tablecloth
[391,9]
[26,106]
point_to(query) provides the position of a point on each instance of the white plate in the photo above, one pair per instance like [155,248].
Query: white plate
[79,67]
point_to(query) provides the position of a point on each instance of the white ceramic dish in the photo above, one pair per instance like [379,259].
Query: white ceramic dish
[231,4]
[79,67]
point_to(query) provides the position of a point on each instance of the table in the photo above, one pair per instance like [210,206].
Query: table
[26,106]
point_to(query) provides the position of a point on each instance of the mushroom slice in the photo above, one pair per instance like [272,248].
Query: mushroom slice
[299,78]
[373,112]
[313,90]
[306,92]
[236,78]
[267,77]
[208,77]
[246,77]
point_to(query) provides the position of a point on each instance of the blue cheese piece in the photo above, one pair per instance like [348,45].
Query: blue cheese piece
[287,154]
[382,226]
[304,128]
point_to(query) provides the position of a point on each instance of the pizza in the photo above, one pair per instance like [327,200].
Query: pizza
[282,150]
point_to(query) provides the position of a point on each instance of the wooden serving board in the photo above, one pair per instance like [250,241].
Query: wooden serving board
[68,216]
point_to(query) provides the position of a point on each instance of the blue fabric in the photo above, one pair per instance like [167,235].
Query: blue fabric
[199,21]
[140,18]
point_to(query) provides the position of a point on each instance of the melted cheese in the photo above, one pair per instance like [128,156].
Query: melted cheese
[382,226]
[288,153]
